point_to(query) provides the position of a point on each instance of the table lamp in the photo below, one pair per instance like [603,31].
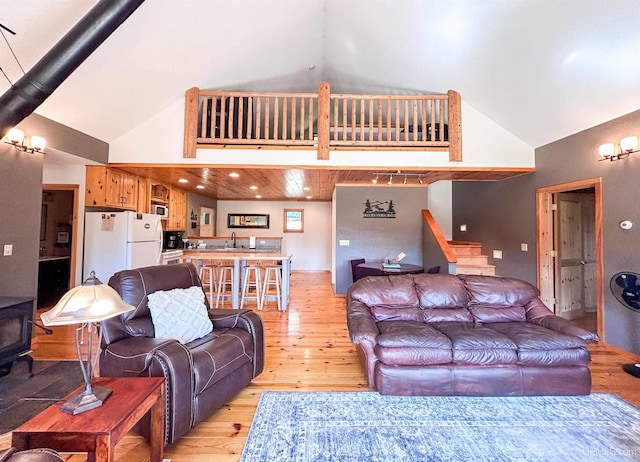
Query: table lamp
[87,304]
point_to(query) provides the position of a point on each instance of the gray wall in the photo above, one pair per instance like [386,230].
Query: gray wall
[502,215]
[376,239]
[21,199]
[21,193]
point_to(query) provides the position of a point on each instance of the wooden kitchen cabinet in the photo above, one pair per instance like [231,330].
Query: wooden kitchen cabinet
[107,187]
[177,210]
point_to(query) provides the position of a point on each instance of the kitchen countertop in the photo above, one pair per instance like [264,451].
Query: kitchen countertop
[233,254]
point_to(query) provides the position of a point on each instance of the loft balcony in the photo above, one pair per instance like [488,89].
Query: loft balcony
[322,121]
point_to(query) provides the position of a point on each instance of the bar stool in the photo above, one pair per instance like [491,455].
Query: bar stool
[272,279]
[247,283]
[207,273]
[225,281]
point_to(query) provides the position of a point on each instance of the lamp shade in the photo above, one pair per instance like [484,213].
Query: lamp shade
[15,136]
[628,144]
[38,143]
[93,301]
[606,150]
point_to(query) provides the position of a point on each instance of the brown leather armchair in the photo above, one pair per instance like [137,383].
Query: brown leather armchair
[202,375]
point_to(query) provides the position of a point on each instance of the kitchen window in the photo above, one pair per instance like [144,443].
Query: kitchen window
[293,221]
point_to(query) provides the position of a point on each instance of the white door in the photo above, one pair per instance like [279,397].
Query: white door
[207,218]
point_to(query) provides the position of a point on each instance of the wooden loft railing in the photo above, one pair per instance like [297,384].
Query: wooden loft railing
[323,121]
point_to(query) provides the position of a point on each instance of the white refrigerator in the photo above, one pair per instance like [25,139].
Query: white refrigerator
[114,241]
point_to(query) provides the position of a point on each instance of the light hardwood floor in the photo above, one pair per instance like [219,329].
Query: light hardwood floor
[307,349]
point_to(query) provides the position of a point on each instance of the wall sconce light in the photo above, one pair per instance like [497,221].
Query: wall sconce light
[407,177]
[17,139]
[628,146]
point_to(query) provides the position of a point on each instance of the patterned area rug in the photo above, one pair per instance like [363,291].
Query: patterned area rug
[365,426]
[22,397]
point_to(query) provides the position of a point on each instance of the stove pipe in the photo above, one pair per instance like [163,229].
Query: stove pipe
[35,86]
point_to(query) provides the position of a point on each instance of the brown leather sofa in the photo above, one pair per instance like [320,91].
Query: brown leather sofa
[202,375]
[440,334]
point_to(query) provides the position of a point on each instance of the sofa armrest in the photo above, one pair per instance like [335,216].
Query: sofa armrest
[247,320]
[362,326]
[538,313]
[156,357]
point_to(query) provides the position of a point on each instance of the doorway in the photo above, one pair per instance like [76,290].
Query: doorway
[570,272]
[61,228]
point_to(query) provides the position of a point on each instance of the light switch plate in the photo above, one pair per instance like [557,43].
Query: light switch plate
[497,254]
[344,241]
[463,227]
[8,250]
[524,247]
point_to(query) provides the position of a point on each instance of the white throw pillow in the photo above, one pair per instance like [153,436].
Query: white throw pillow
[179,314]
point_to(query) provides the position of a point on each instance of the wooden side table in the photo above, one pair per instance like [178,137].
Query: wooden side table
[97,431]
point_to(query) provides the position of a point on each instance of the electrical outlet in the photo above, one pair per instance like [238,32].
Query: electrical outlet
[263,242]
[463,227]
[497,254]
[524,247]
[8,250]
[344,241]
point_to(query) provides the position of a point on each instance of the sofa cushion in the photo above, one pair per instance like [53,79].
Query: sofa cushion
[440,291]
[396,313]
[478,345]
[218,354]
[446,314]
[498,291]
[539,346]
[490,314]
[408,333]
[389,291]
[179,314]
[407,343]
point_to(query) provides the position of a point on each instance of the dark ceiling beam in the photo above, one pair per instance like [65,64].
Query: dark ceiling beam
[46,75]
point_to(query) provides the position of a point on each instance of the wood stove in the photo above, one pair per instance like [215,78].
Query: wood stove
[16,319]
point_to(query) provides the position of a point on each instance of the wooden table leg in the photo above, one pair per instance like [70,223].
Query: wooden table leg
[156,433]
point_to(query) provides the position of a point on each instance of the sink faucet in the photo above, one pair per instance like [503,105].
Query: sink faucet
[233,239]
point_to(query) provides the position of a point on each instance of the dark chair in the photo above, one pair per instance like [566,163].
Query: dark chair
[434,270]
[202,375]
[354,268]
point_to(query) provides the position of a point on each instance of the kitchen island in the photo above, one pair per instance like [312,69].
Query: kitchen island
[240,258]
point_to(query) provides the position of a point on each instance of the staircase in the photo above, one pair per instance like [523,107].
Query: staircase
[470,258]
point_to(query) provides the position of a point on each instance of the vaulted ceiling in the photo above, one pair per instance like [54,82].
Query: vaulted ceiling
[542,69]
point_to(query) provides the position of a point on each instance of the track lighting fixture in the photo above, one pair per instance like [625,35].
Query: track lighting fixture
[407,177]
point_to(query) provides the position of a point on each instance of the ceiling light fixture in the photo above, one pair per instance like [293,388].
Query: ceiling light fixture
[309,197]
[627,145]
[16,138]
[254,187]
[234,175]
[258,196]
[200,186]
[183,180]
[406,180]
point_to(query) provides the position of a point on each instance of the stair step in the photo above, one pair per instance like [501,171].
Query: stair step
[473,260]
[485,270]
[465,248]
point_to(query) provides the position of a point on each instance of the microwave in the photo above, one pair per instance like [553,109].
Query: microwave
[161,210]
